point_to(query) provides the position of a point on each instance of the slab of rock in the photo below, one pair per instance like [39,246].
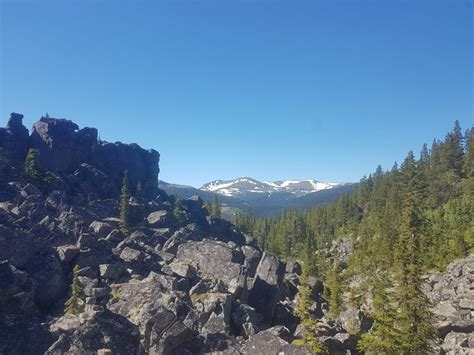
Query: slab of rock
[252,258]
[215,260]
[111,271]
[153,305]
[158,219]
[269,342]
[99,330]
[182,269]
[131,255]
[267,286]
[101,229]
[458,343]
[67,253]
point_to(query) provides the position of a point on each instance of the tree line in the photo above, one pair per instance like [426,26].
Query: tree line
[415,217]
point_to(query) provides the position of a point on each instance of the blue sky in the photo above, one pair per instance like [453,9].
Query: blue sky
[267,89]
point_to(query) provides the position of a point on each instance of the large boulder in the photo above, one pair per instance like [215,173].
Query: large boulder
[14,139]
[154,305]
[21,335]
[47,272]
[267,286]
[17,246]
[61,144]
[271,342]
[158,218]
[223,230]
[99,330]
[451,294]
[216,260]
[165,334]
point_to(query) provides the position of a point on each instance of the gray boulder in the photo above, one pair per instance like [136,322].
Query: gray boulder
[99,330]
[267,286]
[14,139]
[67,253]
[158,219]
[101,229]
[111,271]
[215,260]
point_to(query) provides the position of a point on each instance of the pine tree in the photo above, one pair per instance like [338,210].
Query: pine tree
[216,209]
[333,291]
[382,338]
[310,325]
[139,194]
[124,204]
[178,211]
[32,168]
[469,154]
[73,304]
[413,321]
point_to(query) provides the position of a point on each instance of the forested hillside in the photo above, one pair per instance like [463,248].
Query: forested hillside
[415,217]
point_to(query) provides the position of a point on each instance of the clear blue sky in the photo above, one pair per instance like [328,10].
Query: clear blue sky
[268,89]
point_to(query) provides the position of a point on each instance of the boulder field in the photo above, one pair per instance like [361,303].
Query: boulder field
[188,285]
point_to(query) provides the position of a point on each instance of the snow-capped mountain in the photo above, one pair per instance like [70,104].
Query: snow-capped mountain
[263,198]
[245,186]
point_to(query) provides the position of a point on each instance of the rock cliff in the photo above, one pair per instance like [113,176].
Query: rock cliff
[95,168]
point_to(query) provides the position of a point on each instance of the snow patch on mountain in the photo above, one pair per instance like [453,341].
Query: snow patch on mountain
[246,185]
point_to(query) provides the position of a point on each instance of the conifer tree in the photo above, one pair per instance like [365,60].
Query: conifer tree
[309,322]
[333,291]
[469,154]
[413,321]
[208,207]
[383,336]
[139,194]
[124,204]
[178,211]
[216,210]
[32,168]
[73,304]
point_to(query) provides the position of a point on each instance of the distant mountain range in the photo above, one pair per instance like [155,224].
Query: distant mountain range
[263,198]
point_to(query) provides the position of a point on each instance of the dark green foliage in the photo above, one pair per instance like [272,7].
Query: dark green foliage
[383,337]
[124,204]
[32,169]
[137,211]
[178,212]
[371,215]
[333,291]
[45,180]
[74,304]
[4,164]
[413,320]
[308,320]
[216,208]
[402,223]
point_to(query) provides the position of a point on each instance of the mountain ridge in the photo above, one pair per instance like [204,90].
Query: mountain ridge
[260,197]
[245,184]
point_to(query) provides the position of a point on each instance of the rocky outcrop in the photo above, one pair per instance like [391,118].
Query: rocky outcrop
[61,144]
[452,296]
[167,287]
[192,285]
[267,285]
[91,167]
[98,330]
[14,139]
